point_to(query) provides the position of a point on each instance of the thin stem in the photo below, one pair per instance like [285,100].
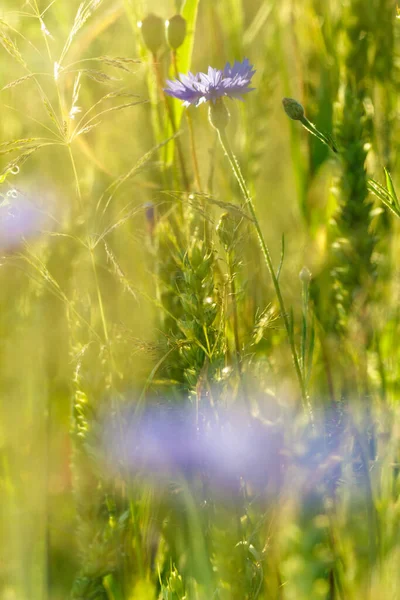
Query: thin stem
[79,195]
[46,41]
[234,312]
[90,247]
[133,511]
[238,352]
[193,151]
[240,179]
[191,132]
[304,333]
[318,134]
[173,124]
[89,244]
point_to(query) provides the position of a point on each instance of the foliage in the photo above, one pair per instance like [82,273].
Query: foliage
[199,368]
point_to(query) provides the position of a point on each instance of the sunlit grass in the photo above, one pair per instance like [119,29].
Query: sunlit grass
[198,354]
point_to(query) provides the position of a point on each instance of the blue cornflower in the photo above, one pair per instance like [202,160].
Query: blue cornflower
[232,82]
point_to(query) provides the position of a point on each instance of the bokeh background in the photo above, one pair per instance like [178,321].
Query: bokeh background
[61,304]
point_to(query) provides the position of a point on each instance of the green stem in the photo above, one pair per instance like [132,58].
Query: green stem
[191,133]
[249,202]
[171,117]
[318,134]
[304,333]
[89,244]
[231,275]
[133,511]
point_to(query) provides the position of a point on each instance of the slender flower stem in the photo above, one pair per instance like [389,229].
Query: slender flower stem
[92,259]
[193,152]
[173,124]
[240,179]
[231,275]
[311,128]
[236,337]
[191,132]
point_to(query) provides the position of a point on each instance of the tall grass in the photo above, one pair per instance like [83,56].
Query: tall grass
[199,360]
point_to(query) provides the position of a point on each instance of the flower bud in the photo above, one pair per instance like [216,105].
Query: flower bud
[152,28]
[176,31]
[218,114]
[305,275]
[293,109]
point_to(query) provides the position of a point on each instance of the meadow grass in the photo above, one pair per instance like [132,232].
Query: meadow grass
[199,311]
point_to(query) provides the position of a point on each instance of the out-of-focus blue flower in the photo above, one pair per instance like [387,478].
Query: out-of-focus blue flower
[19,219]
[168,442]
[232,82]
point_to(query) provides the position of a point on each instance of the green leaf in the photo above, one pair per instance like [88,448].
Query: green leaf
[384,196]
[189,12]
[390,187]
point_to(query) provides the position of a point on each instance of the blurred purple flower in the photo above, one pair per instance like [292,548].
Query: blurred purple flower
[19,218]
[166,442]
[232,82]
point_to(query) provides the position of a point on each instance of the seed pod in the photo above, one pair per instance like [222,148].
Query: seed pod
[152,28]
[305,275]
[293,109]
[176,31]
[218,114]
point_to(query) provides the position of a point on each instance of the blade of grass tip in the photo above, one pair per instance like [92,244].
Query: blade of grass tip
[379,191]
[282,257]
[390,188]
[113,588]
[382,193]
[189,13]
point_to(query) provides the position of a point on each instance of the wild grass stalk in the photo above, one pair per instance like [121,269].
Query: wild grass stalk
[218,119]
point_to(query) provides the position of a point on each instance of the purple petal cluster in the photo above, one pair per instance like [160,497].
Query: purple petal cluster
[232,82]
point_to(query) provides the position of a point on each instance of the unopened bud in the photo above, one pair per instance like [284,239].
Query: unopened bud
[305,275]
[152,28]
[218,114]
[293,109]
[176,31]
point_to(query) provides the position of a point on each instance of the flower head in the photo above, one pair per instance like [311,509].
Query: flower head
[293,109]
[232,82]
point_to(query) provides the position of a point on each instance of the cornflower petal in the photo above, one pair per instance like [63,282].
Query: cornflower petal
[231,82]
